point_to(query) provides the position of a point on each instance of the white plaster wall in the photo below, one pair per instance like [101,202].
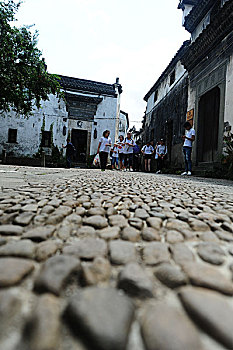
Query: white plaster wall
[106,118]
[54,112]
[29,129]
[124,125]
[150,103]
[75,124]
[164,88]
[228,116]
[191,99]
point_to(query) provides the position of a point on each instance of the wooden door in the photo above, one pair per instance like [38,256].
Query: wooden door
[208,126]
[79,140]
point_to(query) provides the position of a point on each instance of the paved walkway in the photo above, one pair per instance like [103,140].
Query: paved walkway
[111,261]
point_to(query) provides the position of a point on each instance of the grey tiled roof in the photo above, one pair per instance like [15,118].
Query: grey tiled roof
[83,85]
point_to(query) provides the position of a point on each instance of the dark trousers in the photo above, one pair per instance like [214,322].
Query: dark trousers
[128,159]
[68,160]
[136,162]
[103,160]
[160,163]
[187,158]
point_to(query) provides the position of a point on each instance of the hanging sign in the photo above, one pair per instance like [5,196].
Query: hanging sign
[190,115]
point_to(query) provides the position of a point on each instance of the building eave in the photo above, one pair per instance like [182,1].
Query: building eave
[88,86]
[197,14]
[187,2]
[215,32]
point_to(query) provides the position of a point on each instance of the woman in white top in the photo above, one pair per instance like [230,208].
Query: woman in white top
[129,144]
[104,147]
[147,152]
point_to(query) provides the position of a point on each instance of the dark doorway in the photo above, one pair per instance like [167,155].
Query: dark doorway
[208,126]
[169,138]
[79,140]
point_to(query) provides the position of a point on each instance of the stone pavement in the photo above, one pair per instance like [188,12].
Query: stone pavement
[111,261]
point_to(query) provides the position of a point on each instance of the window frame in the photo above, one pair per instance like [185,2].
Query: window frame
[172,77]
[12,135]
[44,138]
[156,95]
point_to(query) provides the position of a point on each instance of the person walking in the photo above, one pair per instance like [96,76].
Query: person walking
[104,147]
[115,157]
[70,150]
[120,145]
[188,139]
[147,152]
[136,156]
[161,154]
[129,144]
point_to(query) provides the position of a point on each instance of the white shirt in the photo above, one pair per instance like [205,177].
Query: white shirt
[120,147]
[147,149]
[129,149]
[104,142]
[189,134]
[161,149]
[115,152]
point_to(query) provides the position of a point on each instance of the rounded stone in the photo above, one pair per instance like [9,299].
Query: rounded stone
[150,234]
[96,221]
[86,231]
[130,234]
[174,237]
[211,253]
[164,328]
[171,275]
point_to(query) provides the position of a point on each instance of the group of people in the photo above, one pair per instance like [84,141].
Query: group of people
[159,152]
[121,151]
[126,153]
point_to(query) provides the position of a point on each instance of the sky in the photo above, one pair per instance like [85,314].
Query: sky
[104,39]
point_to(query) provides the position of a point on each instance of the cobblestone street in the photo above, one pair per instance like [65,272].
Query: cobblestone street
[111,261]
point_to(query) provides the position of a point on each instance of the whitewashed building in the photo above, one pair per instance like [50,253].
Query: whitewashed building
[89,108]
[123,123]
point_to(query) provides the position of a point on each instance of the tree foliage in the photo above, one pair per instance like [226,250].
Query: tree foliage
[24,80]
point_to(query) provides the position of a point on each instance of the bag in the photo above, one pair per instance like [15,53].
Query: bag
[96,160]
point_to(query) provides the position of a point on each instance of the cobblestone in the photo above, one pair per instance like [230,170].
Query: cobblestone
[156,250]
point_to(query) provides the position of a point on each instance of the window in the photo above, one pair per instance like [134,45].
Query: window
[46,138]
[64,130]
[12,135]
[156,96]
[172,77]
